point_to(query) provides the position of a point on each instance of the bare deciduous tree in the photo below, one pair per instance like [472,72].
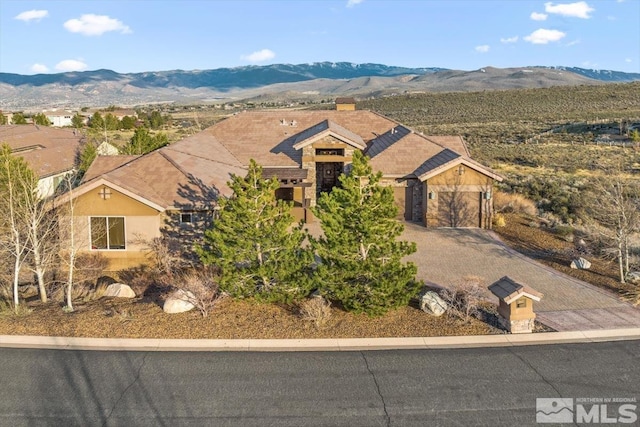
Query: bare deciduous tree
[614,209]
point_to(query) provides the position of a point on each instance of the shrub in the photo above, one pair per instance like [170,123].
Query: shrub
[499,220]
[513,203]
[202,289]
[317,310]
[464,297]
[138,278]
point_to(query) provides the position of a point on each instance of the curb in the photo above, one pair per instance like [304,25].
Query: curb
[322,344]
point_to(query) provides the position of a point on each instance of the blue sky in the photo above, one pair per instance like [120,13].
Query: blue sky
[147,35]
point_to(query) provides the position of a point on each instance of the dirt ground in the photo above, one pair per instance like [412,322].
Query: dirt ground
[547,247]
[144,318]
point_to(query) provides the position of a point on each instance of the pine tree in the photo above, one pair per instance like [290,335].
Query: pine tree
[256,245]
[361,259]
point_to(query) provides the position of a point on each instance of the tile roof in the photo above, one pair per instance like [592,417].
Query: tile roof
[384,141]
[47,150]
[508,290]
[104,164]
[202,164]
[327,126]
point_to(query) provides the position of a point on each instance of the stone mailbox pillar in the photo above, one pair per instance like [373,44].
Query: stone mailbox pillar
[515,307]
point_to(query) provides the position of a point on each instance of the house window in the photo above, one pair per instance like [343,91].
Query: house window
[107,232]
[330,152]
[521,303]
[186,218]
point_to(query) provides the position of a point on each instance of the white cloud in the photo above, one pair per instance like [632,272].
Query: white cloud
[95,25]
[71,65]
[576,10]
[32,15]
[543,36]
[259,56]
[628,60]
[589,64]
[538,16]
[483,48]
[509,39]
[573,42]
[351,3]
[39,68]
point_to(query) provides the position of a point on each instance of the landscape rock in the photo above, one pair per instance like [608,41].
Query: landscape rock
[178,302]
[431,303]
[580,264]
[119,290]
[633,277]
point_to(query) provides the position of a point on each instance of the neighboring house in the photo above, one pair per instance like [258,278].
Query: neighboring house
[60,119]
[50,152]
[126,199]
[345,104]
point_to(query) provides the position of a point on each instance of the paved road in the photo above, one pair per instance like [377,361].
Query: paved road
[475,386]
[445,256]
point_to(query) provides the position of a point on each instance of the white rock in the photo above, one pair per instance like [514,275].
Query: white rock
[580,264]
[119,290]
[430,302]
[633,277]
[178,302]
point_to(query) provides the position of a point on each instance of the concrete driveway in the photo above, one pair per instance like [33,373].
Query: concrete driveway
[445,256]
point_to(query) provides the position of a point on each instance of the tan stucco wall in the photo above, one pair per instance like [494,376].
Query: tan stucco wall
[141,222]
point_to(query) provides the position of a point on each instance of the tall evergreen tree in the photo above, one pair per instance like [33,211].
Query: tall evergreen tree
[256,244]
[361,259]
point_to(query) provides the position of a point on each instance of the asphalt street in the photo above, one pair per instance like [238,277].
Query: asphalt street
[465,387]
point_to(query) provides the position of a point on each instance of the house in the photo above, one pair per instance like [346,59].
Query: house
[60,119]
[50,152]
[435,182]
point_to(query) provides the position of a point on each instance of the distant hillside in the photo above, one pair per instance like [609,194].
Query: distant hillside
[604,75]
[274,82]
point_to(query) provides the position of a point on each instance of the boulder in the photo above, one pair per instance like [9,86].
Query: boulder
[431,303]
[119,290]
[580,264]
[178,302]
[633,277]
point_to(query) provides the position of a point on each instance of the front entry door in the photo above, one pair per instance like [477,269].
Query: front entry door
[327,176]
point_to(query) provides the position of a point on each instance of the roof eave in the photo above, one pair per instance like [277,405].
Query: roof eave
[455,162]
[97,182]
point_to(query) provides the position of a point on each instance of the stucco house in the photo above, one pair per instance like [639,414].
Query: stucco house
[435,181]
[50,152]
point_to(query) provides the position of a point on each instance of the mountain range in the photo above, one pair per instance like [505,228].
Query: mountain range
[278,82]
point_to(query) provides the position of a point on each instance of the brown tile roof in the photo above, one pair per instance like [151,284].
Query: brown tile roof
[268,136]
[104,164]
[324,127]
[48,150]
[404,156]
[179,173]
[345,100]
[453,142]
[509,290]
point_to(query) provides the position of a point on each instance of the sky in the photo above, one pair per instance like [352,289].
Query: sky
[130,36]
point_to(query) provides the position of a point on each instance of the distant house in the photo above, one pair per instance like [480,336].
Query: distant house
[60,119]
[50,152]
[434,179]
[345,104]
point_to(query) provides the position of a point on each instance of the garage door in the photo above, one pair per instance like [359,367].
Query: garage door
[459,209]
